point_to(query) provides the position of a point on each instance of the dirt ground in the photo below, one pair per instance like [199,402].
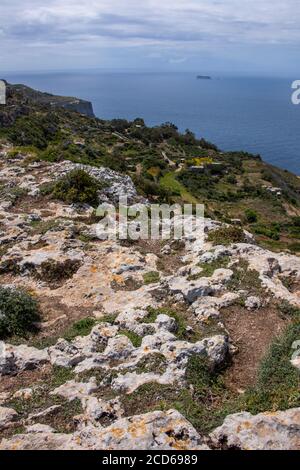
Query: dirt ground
[252,332]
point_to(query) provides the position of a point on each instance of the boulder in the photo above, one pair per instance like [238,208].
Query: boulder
[253,303]
[265,431]
[14,359]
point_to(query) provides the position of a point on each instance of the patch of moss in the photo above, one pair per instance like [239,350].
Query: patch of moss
[208,269]
[151,278]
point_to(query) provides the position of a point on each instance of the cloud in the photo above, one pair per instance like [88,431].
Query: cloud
[171,25]
[173,21]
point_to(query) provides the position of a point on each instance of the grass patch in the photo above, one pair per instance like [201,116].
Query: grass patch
[181,319]
[245,278]
[199,406]
[44,226]
[41,398]
[151,278]
[170,183]
[208,269]
[109,318]
[134,338]
[80,328]
[278,385]
[155,363]
[12,194]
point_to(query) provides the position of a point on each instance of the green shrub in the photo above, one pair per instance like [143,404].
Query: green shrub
[231,179]
[251,216]
[227,235]
[35,131]
[267,232]
[18,312]
[77,187]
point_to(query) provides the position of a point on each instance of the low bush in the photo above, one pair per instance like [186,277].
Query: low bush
[76,187]
[227,235]
[251,216]
[18,312]
[272,233]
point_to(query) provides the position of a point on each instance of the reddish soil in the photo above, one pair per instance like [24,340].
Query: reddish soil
[252,332]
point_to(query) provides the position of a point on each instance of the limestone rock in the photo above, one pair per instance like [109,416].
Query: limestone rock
[96,409]
[24,394]
[14,359]
[72,390]
[191,290]
[7,416]
[153,431]
[253,303]
[265,431]
[65,354]
[39,428]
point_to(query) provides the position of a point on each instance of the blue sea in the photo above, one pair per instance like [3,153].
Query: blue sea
[251,114]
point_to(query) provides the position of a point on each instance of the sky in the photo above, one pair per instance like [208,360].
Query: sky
[229,37]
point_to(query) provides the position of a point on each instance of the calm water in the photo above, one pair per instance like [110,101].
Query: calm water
[237,114]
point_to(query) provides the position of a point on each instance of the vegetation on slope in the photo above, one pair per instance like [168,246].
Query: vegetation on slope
[166,166]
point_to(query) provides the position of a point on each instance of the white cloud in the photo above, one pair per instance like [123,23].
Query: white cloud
[180,27]
[151,20]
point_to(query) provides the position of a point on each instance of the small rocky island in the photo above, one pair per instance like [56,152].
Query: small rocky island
[204,77]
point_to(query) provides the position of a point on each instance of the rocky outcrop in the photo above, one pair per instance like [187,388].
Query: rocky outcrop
[152,431]
[14,359]
[7,417]
[266,431]
[143,334]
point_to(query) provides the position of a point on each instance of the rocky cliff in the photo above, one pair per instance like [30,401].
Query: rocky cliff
[20,99]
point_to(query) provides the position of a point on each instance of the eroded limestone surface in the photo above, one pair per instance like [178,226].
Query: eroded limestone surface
[136,348]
